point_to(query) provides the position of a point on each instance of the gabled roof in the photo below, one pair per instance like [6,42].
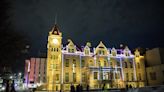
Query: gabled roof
[101,45]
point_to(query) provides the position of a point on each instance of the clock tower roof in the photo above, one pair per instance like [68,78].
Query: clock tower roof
[55,30]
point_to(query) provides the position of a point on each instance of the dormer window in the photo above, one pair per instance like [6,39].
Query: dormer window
[99,52]
[86,52]
[137,53]
[69,50]
[72,50]
[101,49]
[127,51]
[127,54]
[103,53]
[113,52]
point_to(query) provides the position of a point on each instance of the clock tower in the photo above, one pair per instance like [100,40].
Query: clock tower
[54,55]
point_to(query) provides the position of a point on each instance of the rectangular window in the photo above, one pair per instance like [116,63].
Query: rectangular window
[74,62]
[66,77]
[132,76]
[111,65]
[82,63]
[118,63]
[105,63]
[56,67]
[131,64]
[111,75]
[72,50]
[125,63]
[117,75]
[83,77]
[103,53]
[99,52]
[139,75]
[95,74]
[67,63]
[57,77]
[91,63]
[74,77]
[127,77]
[138,64]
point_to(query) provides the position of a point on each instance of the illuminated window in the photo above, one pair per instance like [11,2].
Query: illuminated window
[111,75]
[83,77]
[132,76]
[66,77]
[114,53]
[74,77]
[95,74]
[91,63]
[67,63]
[99,52]
[125,64]
[105,63]
[111,65]
[131,64]
[56,67]
[127,77]
[74,62]
[103,52]
[72,50]
[57,77]
[117,75]
[118,63]
[82,63]
[138,65]
[87,52]
[127,54]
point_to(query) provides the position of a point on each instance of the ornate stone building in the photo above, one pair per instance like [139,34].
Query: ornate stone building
[114,68]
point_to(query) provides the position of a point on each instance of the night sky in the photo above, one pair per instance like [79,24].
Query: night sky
[131,22]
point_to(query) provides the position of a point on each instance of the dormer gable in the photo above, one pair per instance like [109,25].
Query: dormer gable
[137,53]
[113,51]
[71,48]
[101,49]
[127,52]
[87,48]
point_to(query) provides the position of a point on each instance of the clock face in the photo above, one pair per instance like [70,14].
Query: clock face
[55,41]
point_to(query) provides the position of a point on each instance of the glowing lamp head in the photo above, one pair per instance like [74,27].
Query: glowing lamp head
[55,41]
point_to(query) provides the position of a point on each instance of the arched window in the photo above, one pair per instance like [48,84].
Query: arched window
[138,64]
[125,64]
[105,63]
[131,64]
[91,63]
[118,63]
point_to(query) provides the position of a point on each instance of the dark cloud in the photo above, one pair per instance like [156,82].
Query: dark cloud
[134,22]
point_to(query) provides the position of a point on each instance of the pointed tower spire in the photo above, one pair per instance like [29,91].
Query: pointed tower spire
[55,29]
[56,18]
